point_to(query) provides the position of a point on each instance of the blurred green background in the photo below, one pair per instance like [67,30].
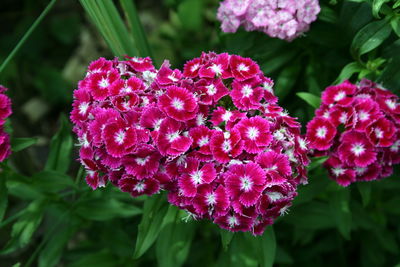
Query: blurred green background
[53,219]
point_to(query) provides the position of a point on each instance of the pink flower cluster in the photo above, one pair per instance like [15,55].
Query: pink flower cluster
[5,112]
[211,135]
[285,19]
[357,126]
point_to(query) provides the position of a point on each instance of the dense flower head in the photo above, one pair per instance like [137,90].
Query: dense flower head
[212,136]
[286,19]
[357,126]
[5,112]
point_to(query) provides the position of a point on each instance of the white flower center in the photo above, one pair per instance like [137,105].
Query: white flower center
[197,177]
[242,67]
[217,69]
[227,116]
[194,67]
[321,132]
[302,143]
[104,83]
[126,89]
[246,184]
[232,221]
[338,171]
[142,161]
[339,96]
[360,171]
[253,133]
[139,187]
[358,149]
[391,104]
[119,137]
[247,91]
[210,199]
[395,146]
[200,120]
[274,196]
[284,210]
[177,104]
[226,146]
[362,115]
[378,133]
[157,124]
[326,115]
[172,77]
[203,141]
[211,89]
[83,108]
[268,87]
[172,136]
[343,117]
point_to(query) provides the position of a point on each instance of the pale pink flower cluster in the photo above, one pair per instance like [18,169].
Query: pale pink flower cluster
[284,19]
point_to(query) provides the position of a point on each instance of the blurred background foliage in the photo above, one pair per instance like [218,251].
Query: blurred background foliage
[50,217]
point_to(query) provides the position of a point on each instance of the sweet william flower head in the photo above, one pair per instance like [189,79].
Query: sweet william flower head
[5,112]
[364,129]
[212,136]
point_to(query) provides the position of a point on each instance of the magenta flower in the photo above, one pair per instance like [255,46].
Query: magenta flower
[119,138]
[243,68]
[178,103]
[226,145]
[193,175]
[245,182]
[143,163]
[276,166]
[170,140]
[320,133]
[246,95]
[139,187]
[255,134]
[5,112]
[211,201]
[366,146]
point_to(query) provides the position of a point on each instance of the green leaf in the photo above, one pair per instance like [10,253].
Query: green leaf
[52,181]
[286,80]
[60,148]
[370,37]
[136,28]
[376,7]
[395,23]
[397,4]
[154,211]
[267,247]
[316,162]
[51,253]
[226,238]
[25,227]
[190,14]
[18,144]
[311,99]
[99,259]
[173,243]
[99,210]
[339,203]
[3,197]
[348,71]
[365,192]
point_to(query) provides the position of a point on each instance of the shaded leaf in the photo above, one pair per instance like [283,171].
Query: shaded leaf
[339,203]
[18,144]
[311,99]
[3,197]
[226,238]
[348,71]
[365,192]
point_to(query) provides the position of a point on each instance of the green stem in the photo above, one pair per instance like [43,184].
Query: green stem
[12,218]
[27,34]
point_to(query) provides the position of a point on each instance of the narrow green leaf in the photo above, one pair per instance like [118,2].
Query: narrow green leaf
[136,28]
[60,148]
[316,162]
[348,71]
[370,37]
[376,7]
[52,181]
[340,209]
[397,4]
[311,99]
[226,238]
[102,258]
[24,228]
[365,192]
[18,144]
[27,34]
[267,246]
[395,23]
[3,197]
[154,211]
[173,243]
[286,80]
[51,253]
[98,210]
